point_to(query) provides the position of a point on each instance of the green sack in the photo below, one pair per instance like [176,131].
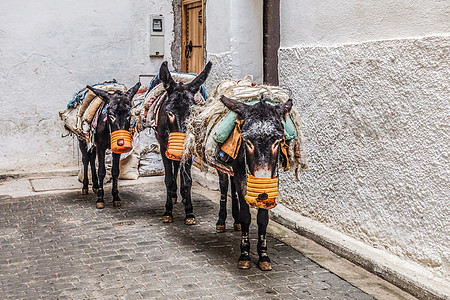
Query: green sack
[290,132]
[226,125]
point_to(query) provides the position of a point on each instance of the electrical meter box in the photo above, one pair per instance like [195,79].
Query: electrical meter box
[156,35]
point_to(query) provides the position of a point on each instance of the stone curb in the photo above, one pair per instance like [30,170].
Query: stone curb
[17,175]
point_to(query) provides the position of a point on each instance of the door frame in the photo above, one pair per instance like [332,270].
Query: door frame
[271,40]
[183,31]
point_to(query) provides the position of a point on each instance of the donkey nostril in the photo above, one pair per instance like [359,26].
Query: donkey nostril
[263,196]
[120,142]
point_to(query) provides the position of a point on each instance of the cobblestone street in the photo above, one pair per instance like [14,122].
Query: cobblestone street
[58,246]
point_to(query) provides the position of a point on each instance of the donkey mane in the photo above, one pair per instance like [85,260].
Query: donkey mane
[264,120]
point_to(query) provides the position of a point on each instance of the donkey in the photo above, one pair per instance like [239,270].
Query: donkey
[262,133]
[169,131]
[116,119]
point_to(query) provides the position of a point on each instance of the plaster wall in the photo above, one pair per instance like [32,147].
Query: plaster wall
[307,22]
[234,40]
[48,51]
[375,118]
[371,81]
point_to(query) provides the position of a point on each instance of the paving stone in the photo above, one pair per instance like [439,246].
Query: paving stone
[223,297]
[60,247]
[150,294]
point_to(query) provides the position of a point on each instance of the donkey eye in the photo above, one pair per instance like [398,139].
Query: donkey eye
[250,145]
[275,145]
[170,115]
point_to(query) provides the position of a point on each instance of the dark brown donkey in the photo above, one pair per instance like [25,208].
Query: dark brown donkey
[262,133]
[170,130]
[114,120]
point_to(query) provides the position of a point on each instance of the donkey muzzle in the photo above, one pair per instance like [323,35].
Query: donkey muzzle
[262,192]
[175,145]
[121,141]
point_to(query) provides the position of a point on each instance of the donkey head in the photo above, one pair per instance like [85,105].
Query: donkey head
[180,96]
[119,106]
[262,132]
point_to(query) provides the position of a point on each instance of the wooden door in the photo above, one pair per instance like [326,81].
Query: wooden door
[192,39]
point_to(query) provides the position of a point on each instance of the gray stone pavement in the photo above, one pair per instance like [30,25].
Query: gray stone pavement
[58,246]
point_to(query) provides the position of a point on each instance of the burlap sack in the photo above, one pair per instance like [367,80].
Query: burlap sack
[86,101]
[69,116]
[92,109]
[129,165]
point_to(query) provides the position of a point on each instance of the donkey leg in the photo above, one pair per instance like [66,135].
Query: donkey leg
[244,261]
[115,175]
[235,205]
[186,186]
[101,176]
[223,183]
[92,155]
[85,160]
[174,187]
[263,220]
[168,180]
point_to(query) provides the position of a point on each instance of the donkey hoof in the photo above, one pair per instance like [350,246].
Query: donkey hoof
[237,227]
[244,264]
[189,221]
[100,205]
[117,203]
[95,190]
[167,219]
[84,191]
[265,265]
[174,200]
[220,228]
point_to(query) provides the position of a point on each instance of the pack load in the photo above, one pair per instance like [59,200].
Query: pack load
[213,133]
[156,95]
[80,116]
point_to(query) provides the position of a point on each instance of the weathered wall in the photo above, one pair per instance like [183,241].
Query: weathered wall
[234,40]
[49,50]
[375,116]
[308,22]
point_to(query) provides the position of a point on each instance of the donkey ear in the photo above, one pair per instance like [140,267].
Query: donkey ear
[131,92]
[101,93]
[284,108]
[195,84]
[234,105]
[165,76]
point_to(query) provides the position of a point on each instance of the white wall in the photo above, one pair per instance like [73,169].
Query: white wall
[49,50]
[306,22]
[234,39]
[374,97]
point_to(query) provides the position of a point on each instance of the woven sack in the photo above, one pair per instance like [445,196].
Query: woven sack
[90,95]
[69,116]
[92,109]
[129,165]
